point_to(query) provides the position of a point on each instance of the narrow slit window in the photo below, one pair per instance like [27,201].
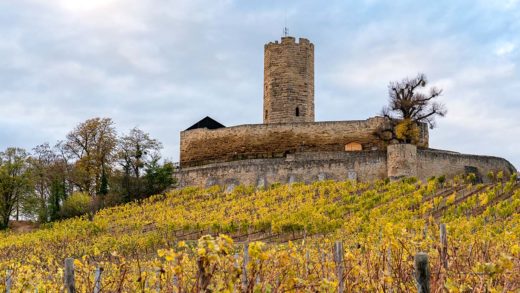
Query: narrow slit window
[297,111]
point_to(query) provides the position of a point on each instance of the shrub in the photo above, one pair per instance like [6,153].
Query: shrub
[441,180]
[409,180]
[471,178]
[407,131]
[491,176]
[500,176]
[77,204]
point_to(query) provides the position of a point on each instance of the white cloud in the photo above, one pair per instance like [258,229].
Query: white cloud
[511,4]
[84,6]
[143,55]
[505,49]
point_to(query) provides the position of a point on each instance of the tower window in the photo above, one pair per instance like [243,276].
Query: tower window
[266,114]
[297,111]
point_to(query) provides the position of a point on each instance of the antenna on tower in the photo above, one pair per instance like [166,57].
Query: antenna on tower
[285,29]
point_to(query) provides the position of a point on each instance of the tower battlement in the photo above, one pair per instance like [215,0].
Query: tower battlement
[291,40]
[289,81]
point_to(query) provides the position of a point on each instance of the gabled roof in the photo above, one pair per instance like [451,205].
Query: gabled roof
[206,122]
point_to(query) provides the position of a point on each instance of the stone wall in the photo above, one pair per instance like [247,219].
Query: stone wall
[339,165]
[203,146]
[289,81]
[401,161]
[303,167]
[436,163]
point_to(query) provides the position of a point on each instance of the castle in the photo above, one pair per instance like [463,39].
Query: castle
[291,147]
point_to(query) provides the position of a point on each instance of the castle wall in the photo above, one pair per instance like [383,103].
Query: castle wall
[289,81]
[203,146]
[436,163]
[401,161]
[305,167]
[338,165]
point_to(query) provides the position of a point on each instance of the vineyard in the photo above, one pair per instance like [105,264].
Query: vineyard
[282,238]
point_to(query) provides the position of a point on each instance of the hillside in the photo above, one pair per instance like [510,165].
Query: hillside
[153,244]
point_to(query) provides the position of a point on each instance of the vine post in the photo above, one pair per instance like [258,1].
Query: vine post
[158,273]
[244,265]
[70,287]
[444,246]
[338,259]
[422,272]
[8,280]
[388,263]
[97,279]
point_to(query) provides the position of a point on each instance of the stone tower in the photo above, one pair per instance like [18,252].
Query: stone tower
[289,81]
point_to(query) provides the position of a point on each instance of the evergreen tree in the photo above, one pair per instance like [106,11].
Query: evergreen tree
[159,177]
[57,196]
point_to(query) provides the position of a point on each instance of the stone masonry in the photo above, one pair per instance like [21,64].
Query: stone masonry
[397,162]
[402,161]
[289,81]
[261,141]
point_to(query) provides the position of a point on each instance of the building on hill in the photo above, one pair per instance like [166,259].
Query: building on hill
[290,146]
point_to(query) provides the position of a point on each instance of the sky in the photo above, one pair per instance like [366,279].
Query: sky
[163,65]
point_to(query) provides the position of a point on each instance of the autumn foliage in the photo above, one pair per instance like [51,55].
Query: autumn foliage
[152,244]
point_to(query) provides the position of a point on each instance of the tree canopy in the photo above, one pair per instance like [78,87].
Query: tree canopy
[93,161]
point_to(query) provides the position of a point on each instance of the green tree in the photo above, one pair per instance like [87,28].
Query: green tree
[159,177]
[57,195]
[15,183]
[103,186]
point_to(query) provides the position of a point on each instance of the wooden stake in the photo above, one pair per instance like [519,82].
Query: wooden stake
[444,246]
[97,280]
[158,273]
[338,259]
[8,281]
[388,265]
[422,272]
[307,259]
[70,287]
[244,266]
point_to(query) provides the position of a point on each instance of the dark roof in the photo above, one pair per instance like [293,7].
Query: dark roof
[206,122]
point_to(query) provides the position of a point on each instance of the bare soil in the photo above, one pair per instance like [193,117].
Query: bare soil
[23,226]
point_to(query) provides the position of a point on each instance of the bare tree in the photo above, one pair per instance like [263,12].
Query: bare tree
[135,151]
[409,107]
